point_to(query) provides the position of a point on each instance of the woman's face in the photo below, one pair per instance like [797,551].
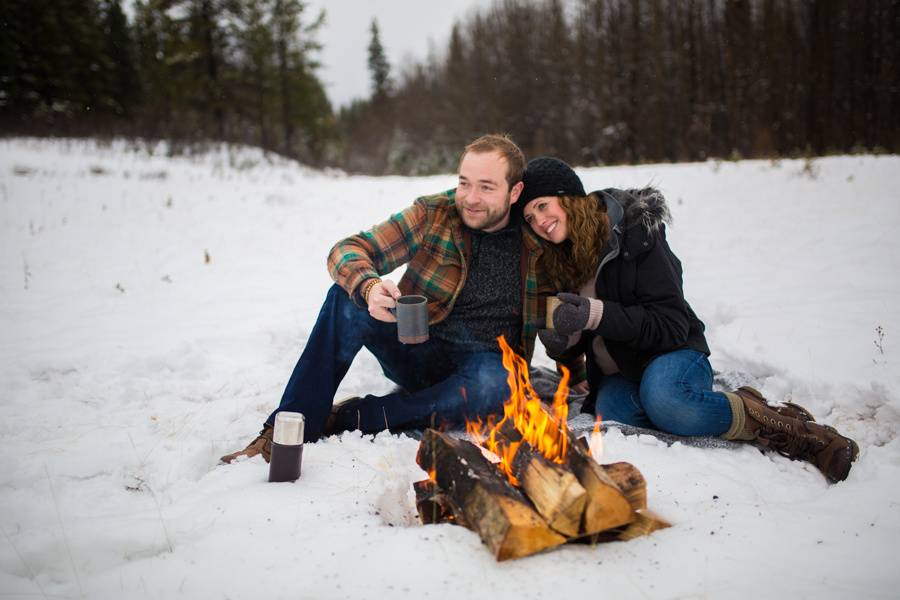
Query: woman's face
[547,218]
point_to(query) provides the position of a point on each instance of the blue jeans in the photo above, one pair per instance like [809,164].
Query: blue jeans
[675,395]
[442,382]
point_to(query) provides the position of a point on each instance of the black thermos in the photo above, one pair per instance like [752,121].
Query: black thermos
[287,447]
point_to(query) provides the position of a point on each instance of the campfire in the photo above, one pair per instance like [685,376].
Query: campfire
[525,483]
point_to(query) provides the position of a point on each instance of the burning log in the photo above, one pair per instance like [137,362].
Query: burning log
[478,494]
[603,504]
[607,506]
[433,505]
[556,493]
[552,507]
[546,489]
[630,481]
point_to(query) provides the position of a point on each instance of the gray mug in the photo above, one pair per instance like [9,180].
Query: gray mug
[412,319]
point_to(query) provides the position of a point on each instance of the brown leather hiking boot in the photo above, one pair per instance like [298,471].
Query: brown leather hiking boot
[790,435]
[261,445]
[787,409]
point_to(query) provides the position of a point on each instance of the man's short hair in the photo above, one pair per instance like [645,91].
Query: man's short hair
[500,142]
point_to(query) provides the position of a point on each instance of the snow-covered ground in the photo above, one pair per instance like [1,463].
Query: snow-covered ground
[152,308]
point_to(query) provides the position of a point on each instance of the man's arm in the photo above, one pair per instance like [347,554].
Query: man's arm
[381,249]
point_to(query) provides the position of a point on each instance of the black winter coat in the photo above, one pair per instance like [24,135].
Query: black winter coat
[645,313]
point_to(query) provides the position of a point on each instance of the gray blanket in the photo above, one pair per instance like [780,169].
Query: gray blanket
[545,382]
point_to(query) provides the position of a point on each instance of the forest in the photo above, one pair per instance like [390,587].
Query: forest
[592,81]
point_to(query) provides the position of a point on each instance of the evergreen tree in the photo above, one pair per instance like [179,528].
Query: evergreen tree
[207,43]
[253,34]
[593,80]
[379,68]
[303,102]
[123,84]
[150,28]
[19,70]
[455,89]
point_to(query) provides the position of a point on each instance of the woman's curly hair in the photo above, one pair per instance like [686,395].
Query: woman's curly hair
[573,262]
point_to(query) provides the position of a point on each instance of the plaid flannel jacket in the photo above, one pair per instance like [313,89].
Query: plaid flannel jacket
[430,238]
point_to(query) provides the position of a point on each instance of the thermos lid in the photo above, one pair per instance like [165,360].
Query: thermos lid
[288,428]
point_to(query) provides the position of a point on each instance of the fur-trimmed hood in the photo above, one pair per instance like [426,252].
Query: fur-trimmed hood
[636,219]
[644,206]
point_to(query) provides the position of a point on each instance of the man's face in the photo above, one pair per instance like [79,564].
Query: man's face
[483,196]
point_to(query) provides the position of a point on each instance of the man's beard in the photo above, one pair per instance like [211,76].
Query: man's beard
[485,220]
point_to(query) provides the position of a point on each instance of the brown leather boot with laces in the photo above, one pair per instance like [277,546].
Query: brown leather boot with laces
[788,409]
[786,430]
[261,445]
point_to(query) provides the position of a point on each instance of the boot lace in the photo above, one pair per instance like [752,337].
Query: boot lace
[802,446]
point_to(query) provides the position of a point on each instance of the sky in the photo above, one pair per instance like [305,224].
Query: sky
[406,28]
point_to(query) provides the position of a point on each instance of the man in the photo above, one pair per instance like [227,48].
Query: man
[478,267]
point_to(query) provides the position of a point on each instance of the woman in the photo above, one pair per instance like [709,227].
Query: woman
[624,309]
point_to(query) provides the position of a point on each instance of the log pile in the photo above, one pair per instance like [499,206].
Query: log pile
[544,504]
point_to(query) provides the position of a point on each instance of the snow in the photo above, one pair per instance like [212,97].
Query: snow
[130,364]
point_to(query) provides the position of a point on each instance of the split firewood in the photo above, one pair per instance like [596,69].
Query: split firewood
[634,487]
[630,481]
[555,492]
[433,505]
[626,476]
[606,506]
[483,498]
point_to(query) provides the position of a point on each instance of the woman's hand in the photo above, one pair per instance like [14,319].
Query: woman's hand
[555,342]
[576,313]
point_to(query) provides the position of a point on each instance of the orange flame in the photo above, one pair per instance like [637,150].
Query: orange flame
[475,430]
[595,441]
[546,432]
[484,434]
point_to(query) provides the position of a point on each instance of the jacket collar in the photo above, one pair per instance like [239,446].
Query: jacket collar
[613,209]
[616,214]
[634,233]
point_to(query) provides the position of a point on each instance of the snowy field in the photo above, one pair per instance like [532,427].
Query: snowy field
[152,308]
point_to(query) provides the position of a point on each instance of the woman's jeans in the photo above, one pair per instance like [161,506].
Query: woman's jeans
[442,383]
[675,395]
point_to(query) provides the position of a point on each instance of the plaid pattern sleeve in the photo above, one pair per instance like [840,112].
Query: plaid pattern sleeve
[378,250]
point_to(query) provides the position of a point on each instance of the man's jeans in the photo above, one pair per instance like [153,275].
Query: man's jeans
[442,383]
[675,395]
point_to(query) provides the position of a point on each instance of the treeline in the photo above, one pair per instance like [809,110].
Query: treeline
[592,81]
[187,71]
[611,81]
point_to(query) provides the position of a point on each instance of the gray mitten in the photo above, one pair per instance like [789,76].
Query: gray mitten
[557,343]
[576,313]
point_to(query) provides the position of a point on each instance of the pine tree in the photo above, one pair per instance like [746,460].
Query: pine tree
[379,68]
[303,102]
[311,107]
[256,83]
[149,27]
[56,61]
[123,85]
